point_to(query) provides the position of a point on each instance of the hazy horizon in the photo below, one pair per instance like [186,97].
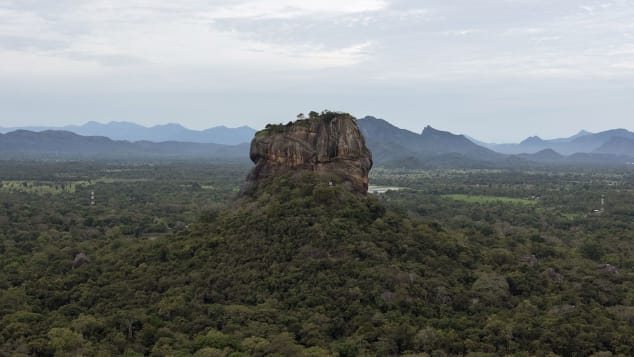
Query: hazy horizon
[258,128]
[496,70]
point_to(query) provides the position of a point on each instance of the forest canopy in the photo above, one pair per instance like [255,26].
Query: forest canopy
[168,263]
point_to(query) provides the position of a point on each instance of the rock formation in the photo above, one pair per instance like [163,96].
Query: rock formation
[608,268]
[329,144]
[80,259]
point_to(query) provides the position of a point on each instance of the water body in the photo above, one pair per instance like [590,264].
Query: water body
[379,190]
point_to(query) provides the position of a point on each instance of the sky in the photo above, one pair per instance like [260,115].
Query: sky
[497,70]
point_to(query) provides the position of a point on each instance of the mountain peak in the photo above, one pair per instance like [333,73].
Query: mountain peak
[369,118]
[429,131]
[549,153]
[169,126]
[118,123]
[532,140]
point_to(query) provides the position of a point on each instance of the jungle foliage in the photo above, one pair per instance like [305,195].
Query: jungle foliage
[170,262]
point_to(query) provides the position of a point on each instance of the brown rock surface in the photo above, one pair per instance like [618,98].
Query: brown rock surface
[80,259]
[329,144]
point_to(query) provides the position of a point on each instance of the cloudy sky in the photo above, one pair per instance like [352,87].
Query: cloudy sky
[498,70]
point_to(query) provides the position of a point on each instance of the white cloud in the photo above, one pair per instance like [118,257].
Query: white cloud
[400,42]
[283,9]
[326,53]
[150,34]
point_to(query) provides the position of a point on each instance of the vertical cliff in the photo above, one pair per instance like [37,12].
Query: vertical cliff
[329,144]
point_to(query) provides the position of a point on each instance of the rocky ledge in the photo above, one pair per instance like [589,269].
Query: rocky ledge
[329,144]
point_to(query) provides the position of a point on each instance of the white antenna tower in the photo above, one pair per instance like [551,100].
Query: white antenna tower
[602,203]
[92,198]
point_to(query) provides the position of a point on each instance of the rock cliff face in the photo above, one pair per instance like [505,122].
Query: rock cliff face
[329,144]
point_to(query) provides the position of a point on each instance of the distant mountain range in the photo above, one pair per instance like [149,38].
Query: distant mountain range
[396,147]
[393,146]
[51,144]
[390,146]
[615,142]
[159,133]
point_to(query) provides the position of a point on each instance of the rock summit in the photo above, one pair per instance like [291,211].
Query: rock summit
[329,144]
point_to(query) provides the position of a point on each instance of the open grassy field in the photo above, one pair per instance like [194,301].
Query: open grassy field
[50,187]
[490,199]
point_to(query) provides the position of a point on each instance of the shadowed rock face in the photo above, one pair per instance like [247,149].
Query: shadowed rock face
[330,145]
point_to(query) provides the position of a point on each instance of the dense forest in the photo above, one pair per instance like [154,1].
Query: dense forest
[171,261]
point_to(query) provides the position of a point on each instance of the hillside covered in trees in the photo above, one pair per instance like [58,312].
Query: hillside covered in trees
[168,262]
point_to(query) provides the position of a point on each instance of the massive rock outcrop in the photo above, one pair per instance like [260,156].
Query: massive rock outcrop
[329,144]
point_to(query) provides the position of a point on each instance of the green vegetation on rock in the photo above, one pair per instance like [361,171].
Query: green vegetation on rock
[325,115]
